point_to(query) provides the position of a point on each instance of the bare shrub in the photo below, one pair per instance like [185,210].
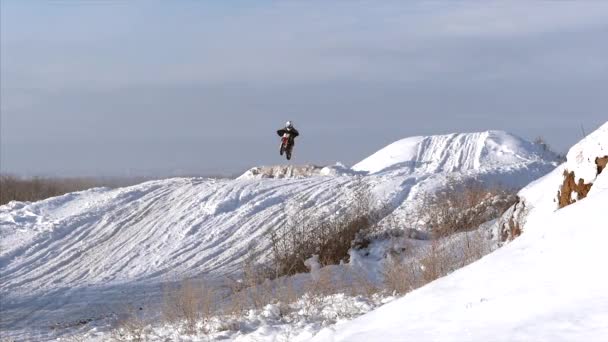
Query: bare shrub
[435,263]
[463,206]
[262,294]
[361,284]
[285,292]
[192,302]
[241,298]
[253,289]
[399,276]
[258,290]
[474,248]
[322,283]
[236,296]
[329,238]
[441,257]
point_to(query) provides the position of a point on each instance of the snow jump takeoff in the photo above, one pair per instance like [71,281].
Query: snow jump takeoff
[288,136]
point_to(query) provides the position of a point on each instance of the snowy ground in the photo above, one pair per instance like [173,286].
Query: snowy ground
[77,258]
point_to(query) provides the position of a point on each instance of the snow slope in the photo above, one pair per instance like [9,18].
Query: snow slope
[79,255]
[547,285]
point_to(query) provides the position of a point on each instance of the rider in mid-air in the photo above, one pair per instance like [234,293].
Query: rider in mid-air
[290,133]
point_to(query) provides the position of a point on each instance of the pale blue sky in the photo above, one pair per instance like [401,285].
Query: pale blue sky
[145,87]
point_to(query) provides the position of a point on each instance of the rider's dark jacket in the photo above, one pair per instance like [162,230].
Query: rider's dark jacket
[292,133]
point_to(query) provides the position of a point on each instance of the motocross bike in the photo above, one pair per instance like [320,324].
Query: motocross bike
[286,146]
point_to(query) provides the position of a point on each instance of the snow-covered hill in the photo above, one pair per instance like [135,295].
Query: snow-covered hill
[548,285]
[86,251]
[454,152]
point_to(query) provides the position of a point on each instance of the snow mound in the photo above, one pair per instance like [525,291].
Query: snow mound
[454,152]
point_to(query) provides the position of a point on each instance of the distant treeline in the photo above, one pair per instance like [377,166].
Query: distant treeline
[13,188]
[30,189]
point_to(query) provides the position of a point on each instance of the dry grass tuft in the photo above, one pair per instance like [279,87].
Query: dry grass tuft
[188,304]
[131,328]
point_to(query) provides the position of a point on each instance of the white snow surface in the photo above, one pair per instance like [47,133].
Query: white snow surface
[80,255]
[547,285]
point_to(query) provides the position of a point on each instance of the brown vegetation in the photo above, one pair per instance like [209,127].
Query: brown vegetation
[14,188]
[399,277]
[305,235]
[131,328]
[434,264]
[190,303]
[34,189]
[464,206]
[439,259]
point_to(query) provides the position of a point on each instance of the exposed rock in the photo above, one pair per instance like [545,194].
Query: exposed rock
[570,186]
[512,221]
[601,163]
